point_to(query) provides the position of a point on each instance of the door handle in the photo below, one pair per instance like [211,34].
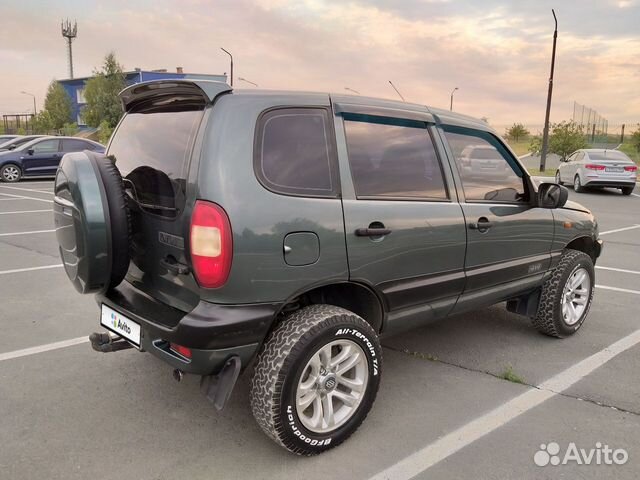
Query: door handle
[372,232]
[482,225]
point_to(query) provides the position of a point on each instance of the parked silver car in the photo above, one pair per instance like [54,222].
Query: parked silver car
[598,168]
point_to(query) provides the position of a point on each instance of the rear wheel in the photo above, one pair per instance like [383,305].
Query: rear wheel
[316,378]
[10,173]
[566,296]
[558,181]
[627,190]
[577,185]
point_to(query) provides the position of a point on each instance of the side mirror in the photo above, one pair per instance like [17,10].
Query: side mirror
[552,195]
[30,151]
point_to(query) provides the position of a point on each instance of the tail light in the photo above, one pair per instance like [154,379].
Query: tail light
[592,166]
[631,168]
[211,244]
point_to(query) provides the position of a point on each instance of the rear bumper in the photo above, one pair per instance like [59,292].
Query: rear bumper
[213,332]
[610,183]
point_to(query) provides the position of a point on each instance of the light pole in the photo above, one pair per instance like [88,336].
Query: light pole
[34,100]
[451,104]
[248,81]
[352,90]
[397,91]
[545,133]
[231,57]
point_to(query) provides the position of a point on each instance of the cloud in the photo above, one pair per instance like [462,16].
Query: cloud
[496,53]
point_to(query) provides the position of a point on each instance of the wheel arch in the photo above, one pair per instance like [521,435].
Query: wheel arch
[586,245]
[356,297]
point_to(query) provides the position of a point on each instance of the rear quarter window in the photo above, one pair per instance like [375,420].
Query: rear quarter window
[294,152]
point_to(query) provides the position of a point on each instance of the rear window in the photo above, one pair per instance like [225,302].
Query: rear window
[151,148]
[608,156]
[295,154]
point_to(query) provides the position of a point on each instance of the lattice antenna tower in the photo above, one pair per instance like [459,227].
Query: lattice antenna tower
[69,32]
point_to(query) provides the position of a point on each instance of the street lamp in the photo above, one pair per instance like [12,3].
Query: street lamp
[248,81]
[397,91]
[34,100]
[230,56]
[545,133]
[451,104]
[352,90]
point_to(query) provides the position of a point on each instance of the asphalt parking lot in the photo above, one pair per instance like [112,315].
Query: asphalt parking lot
[442,412]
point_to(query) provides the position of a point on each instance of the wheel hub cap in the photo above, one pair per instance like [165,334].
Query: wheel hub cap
[332,385]
[575,296]
[10,173]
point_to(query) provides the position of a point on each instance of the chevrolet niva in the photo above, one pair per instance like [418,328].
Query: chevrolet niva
[290,231]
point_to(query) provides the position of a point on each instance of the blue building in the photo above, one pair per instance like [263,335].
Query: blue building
[75,86]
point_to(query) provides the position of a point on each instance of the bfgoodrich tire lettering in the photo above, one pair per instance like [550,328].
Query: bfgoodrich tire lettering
[549,318]
[280,365]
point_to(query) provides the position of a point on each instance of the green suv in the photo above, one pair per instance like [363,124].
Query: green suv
[290,231]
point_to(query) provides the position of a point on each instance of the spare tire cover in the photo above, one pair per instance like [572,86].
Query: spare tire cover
[91,221]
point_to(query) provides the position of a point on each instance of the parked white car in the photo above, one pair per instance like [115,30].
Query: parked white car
[598,168]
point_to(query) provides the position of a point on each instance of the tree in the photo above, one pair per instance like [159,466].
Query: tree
[101,94]
[564,139]
[516,132]
[635,139]
[56,112]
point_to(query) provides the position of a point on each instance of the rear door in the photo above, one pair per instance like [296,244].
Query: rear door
[508,239]
[44,157]
[152,148]
[404,227]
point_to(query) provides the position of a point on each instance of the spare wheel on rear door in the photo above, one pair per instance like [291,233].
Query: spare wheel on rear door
[92,221]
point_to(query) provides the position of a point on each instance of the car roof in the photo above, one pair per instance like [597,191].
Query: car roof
[210,89]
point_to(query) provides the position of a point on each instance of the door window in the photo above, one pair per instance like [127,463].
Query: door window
[393,159]
[487,170]
[295,153]
[75,145]
[46,146]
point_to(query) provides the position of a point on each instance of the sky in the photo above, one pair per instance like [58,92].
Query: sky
[497,53]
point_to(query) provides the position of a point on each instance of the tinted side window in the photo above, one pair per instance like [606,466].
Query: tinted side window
[295,153]
[46,146]
[75,146]
[487,170]
[393,159]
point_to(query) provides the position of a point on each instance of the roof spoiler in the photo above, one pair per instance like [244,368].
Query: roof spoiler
[138,92]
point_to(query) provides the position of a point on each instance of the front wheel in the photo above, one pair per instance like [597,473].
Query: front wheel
[10,173]
[558,181]
[627,190]
[316,378]
[577,185]
[566,296]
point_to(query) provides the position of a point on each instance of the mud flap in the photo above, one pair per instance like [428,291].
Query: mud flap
[217,388]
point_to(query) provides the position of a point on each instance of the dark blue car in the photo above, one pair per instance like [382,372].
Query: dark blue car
[41,157]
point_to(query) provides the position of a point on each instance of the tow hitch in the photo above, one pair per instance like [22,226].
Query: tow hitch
[105,343]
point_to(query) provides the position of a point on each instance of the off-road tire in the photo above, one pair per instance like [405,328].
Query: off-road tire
[577,185]
[7,166]
[280,364]
[549,319]
[627,190]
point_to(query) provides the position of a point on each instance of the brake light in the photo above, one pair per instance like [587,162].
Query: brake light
[184,351]
[592,166]
[211,244]
[631,168]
